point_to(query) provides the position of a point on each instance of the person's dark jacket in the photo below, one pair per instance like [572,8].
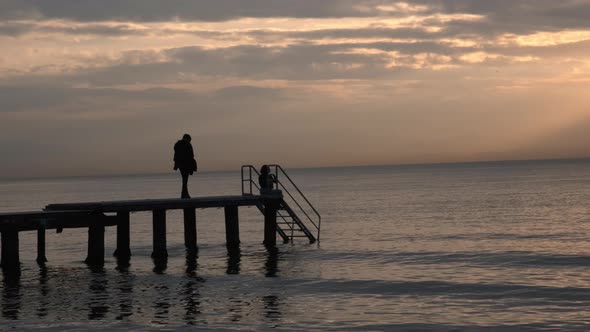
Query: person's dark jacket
[263,181]
[184,157]
[266,181]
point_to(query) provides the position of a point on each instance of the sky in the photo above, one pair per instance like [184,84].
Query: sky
[107,87]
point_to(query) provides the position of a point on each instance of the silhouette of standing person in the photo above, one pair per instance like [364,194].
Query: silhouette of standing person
[184,160]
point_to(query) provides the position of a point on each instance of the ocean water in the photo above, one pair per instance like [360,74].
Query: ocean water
[501,246]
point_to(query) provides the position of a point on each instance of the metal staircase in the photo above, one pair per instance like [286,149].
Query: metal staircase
[296,215]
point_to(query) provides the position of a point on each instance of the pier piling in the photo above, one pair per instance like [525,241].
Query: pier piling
[190,229]
[123,250]
[271,205]
[10,257]
[159,234]
[95,244]
[41,258]
[232,227]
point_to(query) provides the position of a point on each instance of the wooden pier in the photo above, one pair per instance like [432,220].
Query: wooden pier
[296,219]
[97,215]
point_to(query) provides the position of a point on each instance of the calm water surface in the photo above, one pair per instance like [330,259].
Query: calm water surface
[464,247]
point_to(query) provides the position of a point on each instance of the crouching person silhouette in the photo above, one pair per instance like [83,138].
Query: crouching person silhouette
[184,160]
[266,180]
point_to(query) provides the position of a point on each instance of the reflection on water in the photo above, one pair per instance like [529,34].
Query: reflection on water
[272,304]
[44,292]
[161,305]
[191,296]
[116,292]
[272,261]
[235,309]
[272,310]
[192,263]
[234,257]
[124,286]
[98,294]
[11,294]
[492,247]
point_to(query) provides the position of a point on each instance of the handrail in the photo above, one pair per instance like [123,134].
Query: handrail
[279,185]
[250,168]
[252,182]
[297,188]
[277,167]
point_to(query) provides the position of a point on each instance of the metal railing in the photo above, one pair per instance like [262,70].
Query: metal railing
[249,184]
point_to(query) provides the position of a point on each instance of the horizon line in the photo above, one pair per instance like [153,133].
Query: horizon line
[295,168]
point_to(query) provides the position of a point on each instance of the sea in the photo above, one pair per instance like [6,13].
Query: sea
[489,246]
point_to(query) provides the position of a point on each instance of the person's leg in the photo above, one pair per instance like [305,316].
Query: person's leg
[185,175]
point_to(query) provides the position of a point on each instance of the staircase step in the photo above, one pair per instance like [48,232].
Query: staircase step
[289,221]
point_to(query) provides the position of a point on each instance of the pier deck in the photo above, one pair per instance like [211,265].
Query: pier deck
[160,204]
[33,220]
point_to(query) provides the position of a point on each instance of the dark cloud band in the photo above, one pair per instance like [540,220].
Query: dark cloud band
[188,10]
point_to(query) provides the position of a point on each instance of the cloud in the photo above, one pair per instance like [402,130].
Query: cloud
[337,81]
[18,98]
[245,91]
[293,62]
[15,29]
[377,60]
[517,16]
[479,23]
[35,97]
[18,28]
[369,60]
[187,10]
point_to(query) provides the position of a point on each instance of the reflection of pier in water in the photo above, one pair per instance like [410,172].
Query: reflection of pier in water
[11,295]
[98,291]
[100,294]
[191,295]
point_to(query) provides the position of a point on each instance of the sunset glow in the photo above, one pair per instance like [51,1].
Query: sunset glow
[338,82]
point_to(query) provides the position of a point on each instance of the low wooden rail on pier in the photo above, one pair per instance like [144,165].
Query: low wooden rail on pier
[97,215]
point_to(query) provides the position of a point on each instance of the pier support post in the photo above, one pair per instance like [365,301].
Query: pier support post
[123,250]
[41,258]
[159,234]
[10,257]
[190,229]
[232,226]
[95,244]
[271,206]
